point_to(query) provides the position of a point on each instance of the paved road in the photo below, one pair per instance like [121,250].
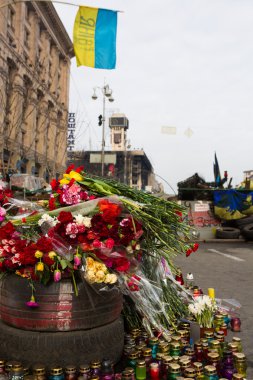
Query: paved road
[227,267]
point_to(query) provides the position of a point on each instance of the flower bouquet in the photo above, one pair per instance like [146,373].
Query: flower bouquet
[203,309]
[109,234]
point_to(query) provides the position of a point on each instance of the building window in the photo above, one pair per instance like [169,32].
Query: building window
[27,38]
[11,17]
[117,138]
[11,41]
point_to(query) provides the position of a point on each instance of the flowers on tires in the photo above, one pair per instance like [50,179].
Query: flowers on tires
[96,245]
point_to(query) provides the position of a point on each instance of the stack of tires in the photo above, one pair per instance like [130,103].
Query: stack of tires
[246,227]
[65,328]
[236,228]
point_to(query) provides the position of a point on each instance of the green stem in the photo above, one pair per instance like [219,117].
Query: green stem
[74,283]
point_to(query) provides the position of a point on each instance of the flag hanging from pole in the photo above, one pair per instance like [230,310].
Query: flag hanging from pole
[216,171]
[94,37]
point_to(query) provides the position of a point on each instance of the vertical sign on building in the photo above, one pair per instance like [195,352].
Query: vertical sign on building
[71,134]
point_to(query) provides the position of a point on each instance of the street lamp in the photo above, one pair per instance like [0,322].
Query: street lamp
[107,93]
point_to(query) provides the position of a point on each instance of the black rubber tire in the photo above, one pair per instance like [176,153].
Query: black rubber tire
[241,223]
[227,233]
[62,348]
[59,308]
[247,232]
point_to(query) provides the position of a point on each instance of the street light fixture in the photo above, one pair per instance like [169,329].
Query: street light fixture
[107,93]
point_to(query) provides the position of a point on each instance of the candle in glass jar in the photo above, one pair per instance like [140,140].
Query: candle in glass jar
[154,371]
[211,293]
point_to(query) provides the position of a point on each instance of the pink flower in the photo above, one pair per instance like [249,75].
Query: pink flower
[57,275]
[32,303]
[72,230]
[77,260]
[2,213]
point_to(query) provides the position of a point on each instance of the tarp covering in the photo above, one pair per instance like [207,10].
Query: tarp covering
[232,204]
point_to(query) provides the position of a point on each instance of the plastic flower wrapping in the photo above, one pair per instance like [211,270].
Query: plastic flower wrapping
[109,233]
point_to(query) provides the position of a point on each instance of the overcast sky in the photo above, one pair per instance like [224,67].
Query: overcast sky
[186,64]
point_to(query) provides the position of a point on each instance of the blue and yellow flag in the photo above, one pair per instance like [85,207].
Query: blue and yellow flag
[95,38]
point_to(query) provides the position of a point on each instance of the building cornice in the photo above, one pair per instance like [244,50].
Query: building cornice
[55,25]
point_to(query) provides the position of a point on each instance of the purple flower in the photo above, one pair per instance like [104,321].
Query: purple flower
[57,275]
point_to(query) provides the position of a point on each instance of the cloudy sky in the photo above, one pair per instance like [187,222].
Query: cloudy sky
[186,64]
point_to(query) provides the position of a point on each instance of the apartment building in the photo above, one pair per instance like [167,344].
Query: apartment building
[35,53]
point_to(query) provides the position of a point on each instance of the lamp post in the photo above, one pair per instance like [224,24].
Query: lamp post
[107,93]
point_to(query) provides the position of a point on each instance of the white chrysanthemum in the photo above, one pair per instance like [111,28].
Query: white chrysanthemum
[52,221]
[83,220]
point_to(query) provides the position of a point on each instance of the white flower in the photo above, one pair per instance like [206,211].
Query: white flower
[47,219]
[83,220]
[192,308]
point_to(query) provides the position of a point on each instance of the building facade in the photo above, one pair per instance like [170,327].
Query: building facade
[35,53]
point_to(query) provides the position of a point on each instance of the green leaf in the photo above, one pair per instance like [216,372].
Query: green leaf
[64,263]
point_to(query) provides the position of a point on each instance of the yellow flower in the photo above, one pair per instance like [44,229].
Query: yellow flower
[64,181]
[51,254]
[100,266]
[75,175]
[90,263]
[100,275]
[38,254]
[110,278]
[67,177]
[22,275]
[90,276]
[40,267]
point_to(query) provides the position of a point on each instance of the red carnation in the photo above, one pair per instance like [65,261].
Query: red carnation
[65,217]
[109,243]
[9,265]
[188,252]
[44,244]
[51,203]
[109,210]
[26,257]
[79,169]
[54,184]
[195,247]
[121,264]
[6,231]
[69,168]
[46,259]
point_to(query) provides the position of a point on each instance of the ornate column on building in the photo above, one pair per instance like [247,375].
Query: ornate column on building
[30,135]
[43,56]
[51,154]
[16,118]
[3,81]
[41,128]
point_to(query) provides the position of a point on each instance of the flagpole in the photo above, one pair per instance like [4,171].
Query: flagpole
[47,1]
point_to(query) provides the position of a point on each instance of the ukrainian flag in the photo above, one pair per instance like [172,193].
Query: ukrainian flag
[94,37]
